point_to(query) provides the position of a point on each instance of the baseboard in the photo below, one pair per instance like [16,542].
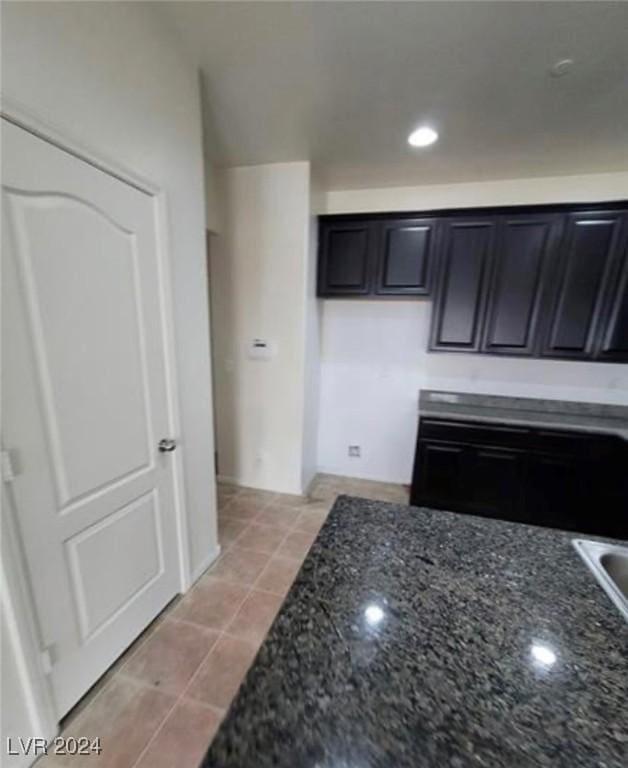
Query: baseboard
[227,479]
[248,484]
[308,488]
[308,482]
[363,476]
[204,564]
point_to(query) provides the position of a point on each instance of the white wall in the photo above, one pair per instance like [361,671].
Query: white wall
[214,197]
[312,307]
[554,189]
[110,75]
[259,278]
[373,353]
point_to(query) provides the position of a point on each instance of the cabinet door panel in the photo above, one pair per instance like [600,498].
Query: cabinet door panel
[345,258]
[465,265]
[406,256]
[496,483]
[614,337]
[524,245]
[553,495]
[579,284]
[438,476]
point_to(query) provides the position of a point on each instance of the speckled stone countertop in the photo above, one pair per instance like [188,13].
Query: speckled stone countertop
[527,411]
[414,637]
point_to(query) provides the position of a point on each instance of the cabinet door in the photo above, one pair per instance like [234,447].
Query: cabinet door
[345,264]
[553,496]
[465,263]
[438,478]
[406,256]
[613,342]
[578,286]
[524,247]
[495,483]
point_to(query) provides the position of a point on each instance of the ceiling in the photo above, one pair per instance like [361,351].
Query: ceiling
[343,83]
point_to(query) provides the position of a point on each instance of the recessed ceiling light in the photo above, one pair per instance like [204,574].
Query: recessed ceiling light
[422,137]
[561,67]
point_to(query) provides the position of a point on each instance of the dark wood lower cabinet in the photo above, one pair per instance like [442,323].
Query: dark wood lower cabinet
[552,490]
[495,482]
[440,472]
[562,479]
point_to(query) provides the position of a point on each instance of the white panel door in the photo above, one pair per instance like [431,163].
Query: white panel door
[85,405]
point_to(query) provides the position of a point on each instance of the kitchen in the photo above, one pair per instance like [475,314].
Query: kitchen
[335,472]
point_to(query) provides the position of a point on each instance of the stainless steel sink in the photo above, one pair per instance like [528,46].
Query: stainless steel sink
[609,564]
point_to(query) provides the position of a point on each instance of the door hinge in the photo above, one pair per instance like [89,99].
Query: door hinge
[48,657]
[8,467]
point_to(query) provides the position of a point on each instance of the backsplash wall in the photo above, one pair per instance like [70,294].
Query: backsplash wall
[374,360]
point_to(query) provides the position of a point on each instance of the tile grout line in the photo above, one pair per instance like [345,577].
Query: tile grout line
[252,521]
[298,560]
[231,499]
[246,527]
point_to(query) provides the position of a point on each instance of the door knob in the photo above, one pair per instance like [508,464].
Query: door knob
[167,444]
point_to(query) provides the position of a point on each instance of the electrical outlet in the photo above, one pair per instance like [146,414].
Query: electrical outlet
[354,451]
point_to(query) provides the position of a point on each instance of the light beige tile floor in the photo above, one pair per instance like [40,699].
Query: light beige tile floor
[161,703]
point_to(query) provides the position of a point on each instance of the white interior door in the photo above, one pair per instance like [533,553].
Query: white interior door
[85,404]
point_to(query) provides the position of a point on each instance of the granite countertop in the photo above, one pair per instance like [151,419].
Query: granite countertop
[414,637]
[527,411]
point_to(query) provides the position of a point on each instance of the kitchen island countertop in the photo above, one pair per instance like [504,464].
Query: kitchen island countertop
[414,637]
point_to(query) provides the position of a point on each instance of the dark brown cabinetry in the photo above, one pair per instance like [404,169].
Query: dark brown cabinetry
[581,282]
[568,480]
[558,287]
[613,339]
[522,258]
[464,270]
[495,480]
[406,256]
[536,281]
[392,257]
[347,257]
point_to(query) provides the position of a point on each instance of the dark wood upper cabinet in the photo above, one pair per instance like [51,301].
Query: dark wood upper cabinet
[523,250]
[346,258]
[364,257]
[580,283]
[613,341]
[406,256]
[535,281]
[465,265]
